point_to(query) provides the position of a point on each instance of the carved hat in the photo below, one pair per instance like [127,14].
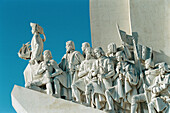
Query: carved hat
[37,27]
[113,46]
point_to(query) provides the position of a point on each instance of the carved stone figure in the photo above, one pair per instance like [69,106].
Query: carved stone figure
[37,43]
[150,72]
[90,79]
[48,69]
[70,63]
[160,91]
[117,92]
[144,97]
[102,72]
[34,53]
[84,75]
[130,83]
[111,53]
[104,68]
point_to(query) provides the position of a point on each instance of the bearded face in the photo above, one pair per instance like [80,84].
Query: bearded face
[69,46]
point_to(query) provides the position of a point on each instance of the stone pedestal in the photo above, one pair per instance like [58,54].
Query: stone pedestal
[25,100]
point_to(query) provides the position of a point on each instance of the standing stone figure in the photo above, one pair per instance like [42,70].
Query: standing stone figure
[34,54]
[84,75]
[150,72]
[117,92]
[102,72]
[130,84]
[70,63]
[111,53]
[37,43]
[104,68]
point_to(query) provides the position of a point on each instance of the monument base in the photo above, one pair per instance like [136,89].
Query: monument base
[25,100]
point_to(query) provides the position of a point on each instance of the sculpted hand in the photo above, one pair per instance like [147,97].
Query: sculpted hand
[32,62]
[45,67]
[156,90]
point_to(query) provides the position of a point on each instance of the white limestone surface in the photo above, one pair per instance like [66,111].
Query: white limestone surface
[104,15]
[151,19]
[25,100]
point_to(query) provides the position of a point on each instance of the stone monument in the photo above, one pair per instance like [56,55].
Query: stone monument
[131,77]
[150,19]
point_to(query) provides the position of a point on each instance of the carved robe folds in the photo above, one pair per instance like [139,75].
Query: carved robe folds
[160,94]
[70,63]
[37,47]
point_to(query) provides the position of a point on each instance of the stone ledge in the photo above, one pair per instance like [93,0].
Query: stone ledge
[25,100]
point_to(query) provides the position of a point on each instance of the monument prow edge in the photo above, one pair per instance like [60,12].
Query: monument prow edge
[25,100]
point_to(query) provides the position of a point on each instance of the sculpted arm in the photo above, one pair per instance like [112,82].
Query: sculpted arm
[62,64]
[58,71]
[79,58]
[154,84]
[41,69]
[165,84]
[82,71]
[110,69]
[115,76]
[156,88]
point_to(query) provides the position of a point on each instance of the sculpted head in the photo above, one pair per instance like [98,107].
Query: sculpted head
[98,51]
[36,28]
[163,67]
[47,55]
[111,48]
[70,46]
[120,56]
[88,52]
[85,45]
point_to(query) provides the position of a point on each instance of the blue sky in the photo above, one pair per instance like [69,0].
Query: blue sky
[62,20]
